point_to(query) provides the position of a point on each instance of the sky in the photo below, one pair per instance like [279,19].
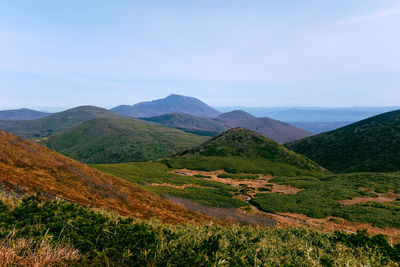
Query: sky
[62,54]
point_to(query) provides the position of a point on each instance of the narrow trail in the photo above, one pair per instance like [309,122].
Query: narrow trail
[225,213]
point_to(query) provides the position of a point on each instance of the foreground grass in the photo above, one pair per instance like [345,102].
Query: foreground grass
[321,195]
[31,252]
[103,239]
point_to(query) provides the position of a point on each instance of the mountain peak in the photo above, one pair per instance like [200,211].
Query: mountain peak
[169,104]
[236,115]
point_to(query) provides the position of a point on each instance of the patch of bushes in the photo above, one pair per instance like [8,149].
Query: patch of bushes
[237,165]
[201,176]
[204,196]
[117,241]
[238,176]
[322,195]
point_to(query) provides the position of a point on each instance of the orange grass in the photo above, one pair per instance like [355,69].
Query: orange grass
[29,168]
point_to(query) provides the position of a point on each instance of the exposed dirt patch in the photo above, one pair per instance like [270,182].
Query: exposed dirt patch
[332,224]
[285,189]
[226,214]
[248,187]
[381,197]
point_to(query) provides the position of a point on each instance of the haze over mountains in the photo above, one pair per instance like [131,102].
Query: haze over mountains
[315,119]
[22,114]
[369,145]
[184,117]
[172,103]
[311,120]
[278,131]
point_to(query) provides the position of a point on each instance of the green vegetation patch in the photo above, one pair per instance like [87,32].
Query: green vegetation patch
[145,173]
[321,195]
[235,164]
[240,150]
[203,196]
[121,140]
[370,145]
[106,240]
[215,194]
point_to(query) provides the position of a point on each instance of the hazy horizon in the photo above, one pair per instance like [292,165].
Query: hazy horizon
[58,55]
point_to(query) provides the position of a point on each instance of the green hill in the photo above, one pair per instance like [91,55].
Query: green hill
[241,150]
[369,145]
[120,140]
[55,123]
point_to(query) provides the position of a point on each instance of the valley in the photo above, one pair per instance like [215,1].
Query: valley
[169,173]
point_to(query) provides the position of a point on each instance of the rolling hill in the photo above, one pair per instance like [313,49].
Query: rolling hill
[190,123]
[371,145]
[22,114]
[27,168]
[172,103]
[241,150]
[120,140]
[55,123]
[278,131]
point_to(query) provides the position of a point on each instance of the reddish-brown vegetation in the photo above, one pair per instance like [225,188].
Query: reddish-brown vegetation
[28,168]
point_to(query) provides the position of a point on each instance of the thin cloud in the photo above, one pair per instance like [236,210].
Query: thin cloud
[379,15]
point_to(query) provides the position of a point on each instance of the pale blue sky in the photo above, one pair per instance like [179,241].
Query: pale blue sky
[234,53]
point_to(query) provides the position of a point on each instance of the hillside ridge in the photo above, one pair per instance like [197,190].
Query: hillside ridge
[371,145]
[110,140]
[28,168]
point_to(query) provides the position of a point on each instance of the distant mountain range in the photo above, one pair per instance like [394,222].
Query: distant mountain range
[368,145]
[120,140]
[172,103]
[22,114]
[314,114]
[278,131]
[56,122]
[315,119]
[240,150]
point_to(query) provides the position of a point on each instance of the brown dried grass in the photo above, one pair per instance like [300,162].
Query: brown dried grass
[27,252]
[29,168]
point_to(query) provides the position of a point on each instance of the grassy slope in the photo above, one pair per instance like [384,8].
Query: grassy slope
[120,140]
[369,145]
[241,150]
[28,168]
[105,240]
[321,195]
[213,194]
[55,123]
